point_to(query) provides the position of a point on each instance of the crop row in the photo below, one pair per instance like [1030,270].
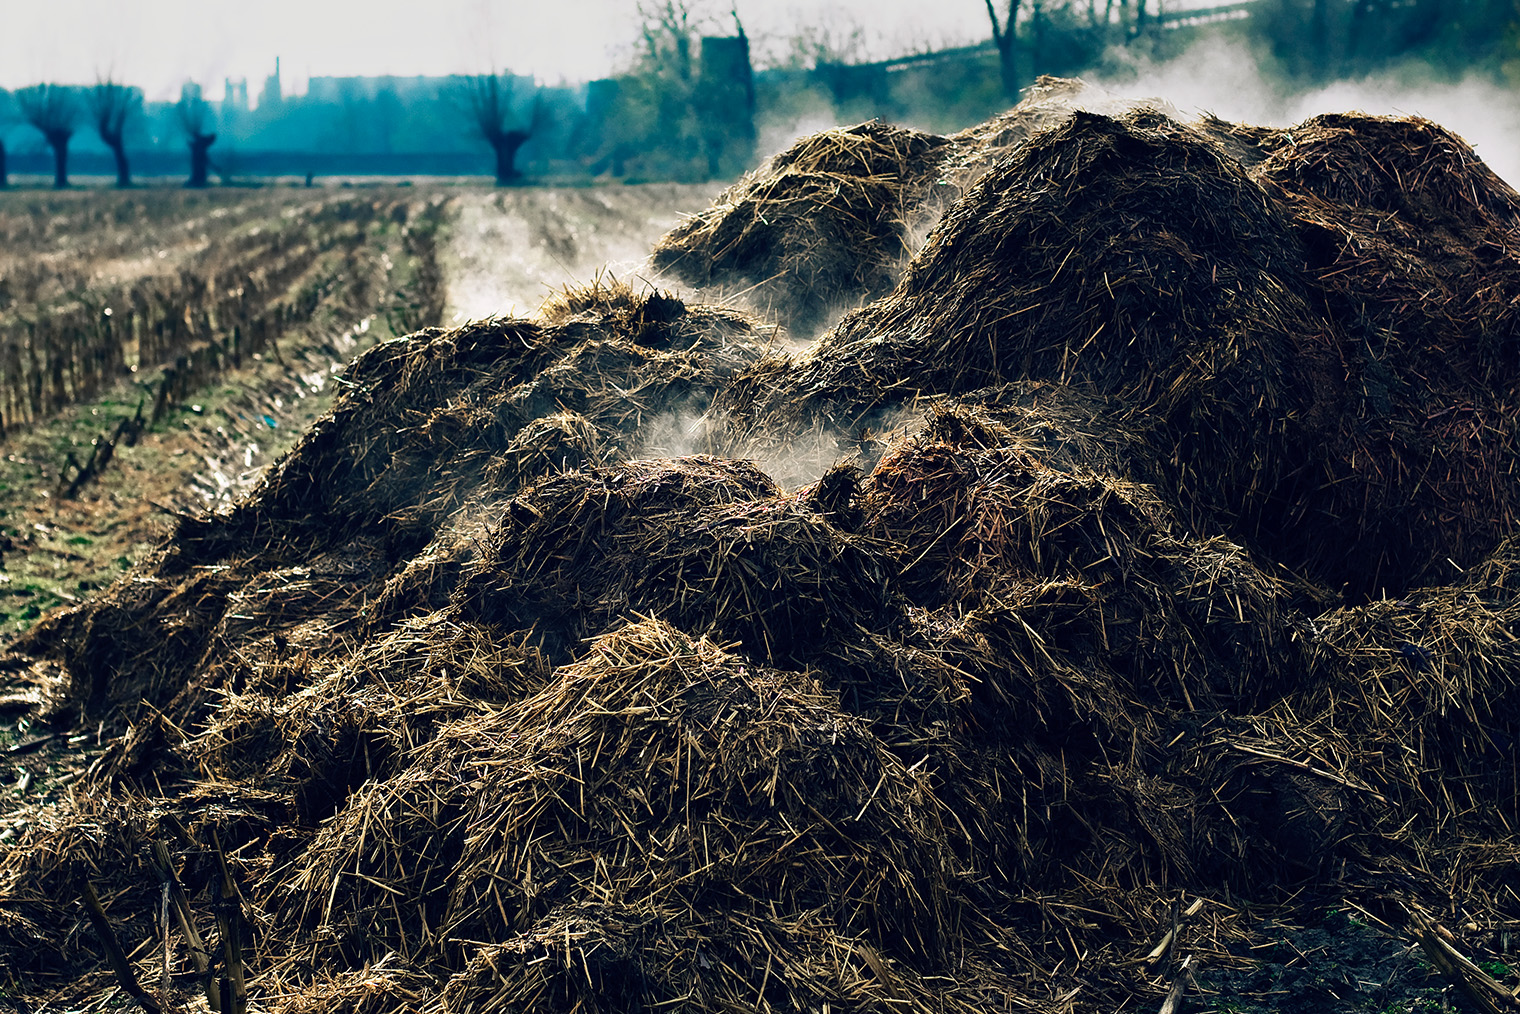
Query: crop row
[51,248]
[234,300]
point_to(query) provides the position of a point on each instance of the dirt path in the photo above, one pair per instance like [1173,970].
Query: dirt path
[508,249]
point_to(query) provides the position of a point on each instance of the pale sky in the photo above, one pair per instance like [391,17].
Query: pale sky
[159,44]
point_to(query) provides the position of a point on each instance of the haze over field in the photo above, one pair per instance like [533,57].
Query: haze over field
[162,42]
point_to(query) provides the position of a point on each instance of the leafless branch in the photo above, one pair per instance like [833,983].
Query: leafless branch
[51,108]
[111,105]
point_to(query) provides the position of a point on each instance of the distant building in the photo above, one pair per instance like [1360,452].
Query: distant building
[270,98]
[235,96]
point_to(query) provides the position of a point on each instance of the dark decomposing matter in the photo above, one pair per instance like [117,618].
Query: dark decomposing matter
[1161,600]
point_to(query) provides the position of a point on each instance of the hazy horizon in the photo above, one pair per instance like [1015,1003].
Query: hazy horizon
[158,45]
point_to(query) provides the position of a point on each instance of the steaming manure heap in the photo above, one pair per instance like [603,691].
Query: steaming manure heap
[829,219]
[1166,578]
[830,222]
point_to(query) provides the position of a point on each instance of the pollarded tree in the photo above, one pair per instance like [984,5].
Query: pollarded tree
[489,97]
[113,106]
[52,109]
[195,120]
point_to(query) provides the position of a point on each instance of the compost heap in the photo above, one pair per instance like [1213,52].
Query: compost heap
[1188,592]
[830,222]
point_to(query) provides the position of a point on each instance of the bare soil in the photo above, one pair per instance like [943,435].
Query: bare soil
[58,548]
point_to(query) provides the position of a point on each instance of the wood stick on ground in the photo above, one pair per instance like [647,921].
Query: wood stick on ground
[119,963]
[1169,939]
[1173,1002]
[164,922]
[1487,993]
[200,954]
[229,922]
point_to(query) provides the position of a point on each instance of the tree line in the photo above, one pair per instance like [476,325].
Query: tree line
[687,103]
[491,107]
[1305,42]
[110,108]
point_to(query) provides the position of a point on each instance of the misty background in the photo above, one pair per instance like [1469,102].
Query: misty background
[684,90]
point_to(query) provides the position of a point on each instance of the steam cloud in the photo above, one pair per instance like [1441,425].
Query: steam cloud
[1223,77]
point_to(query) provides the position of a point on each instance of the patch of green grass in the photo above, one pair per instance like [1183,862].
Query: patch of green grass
[30,599]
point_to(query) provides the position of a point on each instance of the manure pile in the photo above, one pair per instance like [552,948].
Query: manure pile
[831,221]
[1183,606]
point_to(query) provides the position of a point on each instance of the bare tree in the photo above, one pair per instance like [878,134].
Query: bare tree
[663,86]
[830,40]
[112,107]
[52,109]
[1005,37]
[666,36]
[724,101]
[195,120]
[490,106]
